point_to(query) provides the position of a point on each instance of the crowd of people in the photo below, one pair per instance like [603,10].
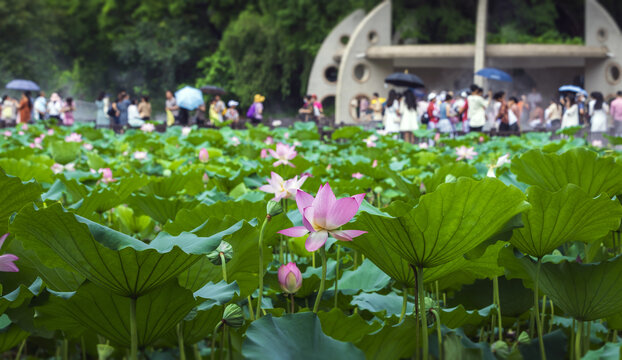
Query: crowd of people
[27,109]
[472,110]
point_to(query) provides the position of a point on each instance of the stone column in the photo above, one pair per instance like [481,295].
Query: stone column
[480,40]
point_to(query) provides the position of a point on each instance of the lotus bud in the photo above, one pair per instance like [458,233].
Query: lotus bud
[203,155]
[104,351]
[523,338]
[166,173]
[290,278]
[500,349]
[205,178]
[274,208]
[233,316]
[225,249]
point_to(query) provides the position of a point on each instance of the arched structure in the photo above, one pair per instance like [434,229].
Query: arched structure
[323,76]
[359,76]
[601,30]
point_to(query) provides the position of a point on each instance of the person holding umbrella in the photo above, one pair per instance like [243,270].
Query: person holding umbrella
[24,108]
[571,113]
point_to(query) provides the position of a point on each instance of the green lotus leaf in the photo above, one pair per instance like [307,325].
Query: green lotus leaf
[10,334]
[394,341]
[65,152]
[346,328]
[456,169]
[458,316]
[555,344]
[448,222]
[14,195]
[20,295]
[346,132]
[159,209]
[569,214]
[108,314]
[578,166]
[27,170]
[367,277]
[584,291]
[611,351]
[106,257]
[294,336]
[173,185]
[390,304]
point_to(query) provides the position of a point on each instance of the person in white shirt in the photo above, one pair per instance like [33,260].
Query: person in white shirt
[598,110]
[55,107]
[571,113]
[392,113]
[133,117]
[477,109]
[40,106]
[410,118]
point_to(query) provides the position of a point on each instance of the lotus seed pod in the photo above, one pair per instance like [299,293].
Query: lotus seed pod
[233,316]
[274,208]
[226,249]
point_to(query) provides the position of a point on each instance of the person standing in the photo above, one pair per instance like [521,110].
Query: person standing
[101,118]
[144,108]
[616,113]
[255,112]
[432,111]
[9,110]
[67,111]
[55,106]
[571,113]
[171,105]
[40,106]
[122,107]
[219,107]
[24,108]
[232,113]
[508,114]
[477,109]
[376,107]
[392,113]
[410,119]
[444,114]
[133,116]
[598,110]
[553,114]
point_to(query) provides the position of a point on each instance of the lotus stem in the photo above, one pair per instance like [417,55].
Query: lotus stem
[577,341]
[224,266]
[552,316]
[222,342]
[65,355]
[615,336]
[214,334]
[422,313]
[356,259]
[439,335]
[497,301]
[537,314]
[180,341]
[82,348]
[229,346]
[318,299]
[543,315]
[21,348]
[416,312]
[291,297]
[197,353]
[133,330]
[404,302]
[250,308]
[337,276]
[585,344]
[281,259]
[492,328]
[260,273]
[572,338]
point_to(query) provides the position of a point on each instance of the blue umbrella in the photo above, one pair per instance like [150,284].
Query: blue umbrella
[23,85]
[572,88]
[189,98]
[494,74]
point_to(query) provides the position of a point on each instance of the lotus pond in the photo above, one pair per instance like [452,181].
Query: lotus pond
[276,244]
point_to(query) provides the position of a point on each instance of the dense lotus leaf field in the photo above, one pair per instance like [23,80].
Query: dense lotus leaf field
[277,244]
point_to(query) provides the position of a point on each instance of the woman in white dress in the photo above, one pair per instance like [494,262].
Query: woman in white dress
[598,110]
[571,113]
[392,113]
[410,117]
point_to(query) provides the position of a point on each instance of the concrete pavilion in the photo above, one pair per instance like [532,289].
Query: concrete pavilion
[358,54]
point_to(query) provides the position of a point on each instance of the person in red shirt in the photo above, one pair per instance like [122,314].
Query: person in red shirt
[432,111]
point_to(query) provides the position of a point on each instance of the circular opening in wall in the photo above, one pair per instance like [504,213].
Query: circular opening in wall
[361,72]
[331,73]
[601,34]
[613,73]
[344,39]
[372,36]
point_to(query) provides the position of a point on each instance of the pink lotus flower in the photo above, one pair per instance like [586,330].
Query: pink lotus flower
[203,155]
[263,154]
[290,278]
[7,260]
[50,132]
[140,155]
[357,175]
[73,137]
[423,145]
[374,163]
[20,133]
[87,146]
[269,140]
[371,141]
[106,175]
[481,139]
[235,141]
[59,168]
[147,127]
[437,137]
[286,135]
[8,133]
[597,143]
[323,216]
[464,152]
[35,146]
[185,131]
[505,159]
[328,167]
[284,153]
[283,189]
[205,177]
[24,127]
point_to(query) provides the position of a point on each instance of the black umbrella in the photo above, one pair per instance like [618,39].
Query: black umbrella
[404,80]
[213,90]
